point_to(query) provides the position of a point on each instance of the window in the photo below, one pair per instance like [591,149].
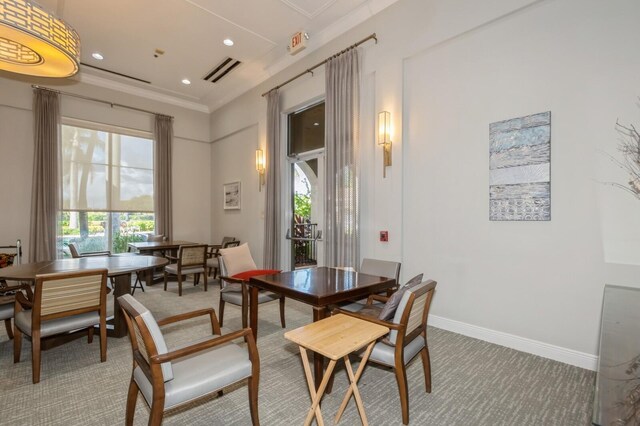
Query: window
[306,129]
[107,187]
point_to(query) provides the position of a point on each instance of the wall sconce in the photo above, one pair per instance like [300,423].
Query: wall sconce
[260,167]
[384,139]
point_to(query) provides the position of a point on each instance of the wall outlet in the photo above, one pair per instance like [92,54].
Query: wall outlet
[384,236]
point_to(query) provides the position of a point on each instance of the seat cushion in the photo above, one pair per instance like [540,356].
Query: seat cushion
[384,354]
[6,311]
[237,259]
[200,374]
[213,262]
[235,297]
[173,269]
[56,326]
[389,309]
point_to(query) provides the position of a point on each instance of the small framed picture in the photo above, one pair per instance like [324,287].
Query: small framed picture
[232,196]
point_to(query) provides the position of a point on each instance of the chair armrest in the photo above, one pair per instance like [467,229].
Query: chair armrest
[388,324]
[215,325]
[376,297]
[199,347]
[23,302]
[168,256]
[95,253]
[233,280]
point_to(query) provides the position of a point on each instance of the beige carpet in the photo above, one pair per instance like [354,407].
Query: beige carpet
[474,382]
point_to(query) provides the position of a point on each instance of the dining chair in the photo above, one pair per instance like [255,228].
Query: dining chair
[214,254]
[407,338]
[382,268]
[170,379]
[7,301]
[191,259]
[62,302]
[236,268]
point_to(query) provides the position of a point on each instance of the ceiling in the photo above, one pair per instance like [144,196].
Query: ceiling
[190,34]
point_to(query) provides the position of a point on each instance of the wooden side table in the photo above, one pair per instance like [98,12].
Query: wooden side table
[336,337]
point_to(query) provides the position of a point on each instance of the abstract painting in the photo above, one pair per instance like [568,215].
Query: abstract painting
[520,168]
[232,196]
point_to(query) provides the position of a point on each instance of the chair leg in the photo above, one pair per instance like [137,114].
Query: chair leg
[17,345]
[132,398]
[35,356]
[282,312]
[179,285]
[426,366]
[103,338]
[253,400]
[7,325]
[244,310]
[90,335]
[165,281]
[204,277]
[155,419]
[215,273]
[221,311]
[401,378]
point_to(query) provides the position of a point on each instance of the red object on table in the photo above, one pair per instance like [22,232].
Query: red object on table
[244,276]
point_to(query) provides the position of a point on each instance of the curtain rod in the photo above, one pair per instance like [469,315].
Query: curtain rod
[310,70]
[111,104]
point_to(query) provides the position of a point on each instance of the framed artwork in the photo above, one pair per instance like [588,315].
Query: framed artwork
[232,196]
[520,168]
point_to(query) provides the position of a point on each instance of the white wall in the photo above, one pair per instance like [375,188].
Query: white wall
[191,167]
[445,69]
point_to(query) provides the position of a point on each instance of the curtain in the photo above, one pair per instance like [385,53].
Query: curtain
[45,194]
[273,207]
[162,191]
[342,118]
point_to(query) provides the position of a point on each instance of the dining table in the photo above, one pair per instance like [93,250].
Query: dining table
[119,268]
[319,287]
[148,247]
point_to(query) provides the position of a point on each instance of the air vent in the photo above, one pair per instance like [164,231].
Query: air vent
[221,70]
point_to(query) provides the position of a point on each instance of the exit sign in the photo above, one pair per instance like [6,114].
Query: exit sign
[297,42]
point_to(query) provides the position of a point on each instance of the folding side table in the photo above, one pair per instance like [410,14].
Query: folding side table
[336,337]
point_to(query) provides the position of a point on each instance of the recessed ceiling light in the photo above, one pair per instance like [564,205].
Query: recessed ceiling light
[228,42]
[186,81]
[97,56]
[316,124]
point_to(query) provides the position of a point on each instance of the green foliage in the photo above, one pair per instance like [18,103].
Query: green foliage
[121,241]
[302,205]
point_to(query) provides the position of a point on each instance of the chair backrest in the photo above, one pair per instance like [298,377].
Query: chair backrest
[155,238]
[73,248]
[413,310]
[226,240]
[68,293]
[383,268]
[146,337]
[234,260]
[228,244]
[193,255]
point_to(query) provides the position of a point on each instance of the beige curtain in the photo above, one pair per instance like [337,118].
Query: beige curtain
[273,207]
[45,194]
[342,211]
[162,192]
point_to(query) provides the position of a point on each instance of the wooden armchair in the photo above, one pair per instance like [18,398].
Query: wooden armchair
[75,252]
[62,302]
[236,268]
[169,379]
[191,259]
[407,338]
[7,301]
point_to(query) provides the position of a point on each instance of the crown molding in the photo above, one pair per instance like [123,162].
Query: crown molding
[143,93]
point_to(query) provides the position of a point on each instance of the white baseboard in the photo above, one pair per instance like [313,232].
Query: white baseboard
[545,350]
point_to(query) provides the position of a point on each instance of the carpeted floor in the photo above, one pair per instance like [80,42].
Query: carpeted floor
[474,382]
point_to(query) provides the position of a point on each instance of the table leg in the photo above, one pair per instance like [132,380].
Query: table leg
[253,310]
[316,395]
[319,312]
[353,387]
[122,286]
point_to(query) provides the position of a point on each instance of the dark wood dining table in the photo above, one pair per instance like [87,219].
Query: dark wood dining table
[119,267]
[318,287]
[148,247]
